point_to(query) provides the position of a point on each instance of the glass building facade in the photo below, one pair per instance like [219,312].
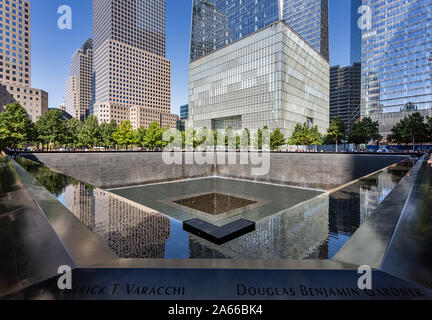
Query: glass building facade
[395,52]
[269,78]
[309,18]
[356,33]
[345,88]
[184,112]
[217,23]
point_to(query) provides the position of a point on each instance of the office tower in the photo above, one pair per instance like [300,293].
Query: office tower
[356,33]
[345,90]
[79,86]
[71,98]
[15,60]
[396,73]
[184,112]
[184,115]
[310,19]
[217,23]
[132,76]
[271,78]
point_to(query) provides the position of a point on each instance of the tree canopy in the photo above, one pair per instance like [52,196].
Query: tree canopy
[154,137]
[125,135]
[364,131]
[305,136]
[73,127]
[16,127]
[51,128]
[107,133]
[277,139]
[140,136]
[336,132]
[90,134]
[411,129]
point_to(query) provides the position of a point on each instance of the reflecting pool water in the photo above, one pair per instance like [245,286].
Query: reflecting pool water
[314,226]
[214,203]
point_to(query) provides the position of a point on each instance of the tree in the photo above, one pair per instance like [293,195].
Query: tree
[140,136]
[371,128]
[277,139]
[364,131]
[107,133]
[73,127]
[51,128]
[417,129]
[125,135]
[190,141]
[204,138]
[316,136]
[230,138]
[357,134]
[153,138]
[261,137]
[258,140]
[398,134]
[246,139]
[90,134]
[299,136]
[411,129]
[15,126]
[336,132]
[304,136]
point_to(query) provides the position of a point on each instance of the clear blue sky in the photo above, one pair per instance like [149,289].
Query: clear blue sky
[52,48]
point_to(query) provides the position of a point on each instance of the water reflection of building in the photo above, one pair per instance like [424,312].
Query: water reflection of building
[80,201]
[350,207]
[374,190]
[293,234]
[345,210]
[129,229]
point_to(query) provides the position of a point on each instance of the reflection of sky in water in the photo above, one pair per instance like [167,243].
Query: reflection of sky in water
[336,242]
[62,199]
[177,246]
[134,231]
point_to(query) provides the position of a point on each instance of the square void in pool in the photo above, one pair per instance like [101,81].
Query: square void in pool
[215,203]
[217,200]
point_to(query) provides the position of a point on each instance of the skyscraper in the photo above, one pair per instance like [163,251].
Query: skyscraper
[79,86]
[15,59]
[271,78]
[132,76]
[310,19]
[395,50]
[184,112]
[345,89]
[217,23]
[356,33]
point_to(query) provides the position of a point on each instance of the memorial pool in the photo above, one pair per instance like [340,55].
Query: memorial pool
[291,223]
